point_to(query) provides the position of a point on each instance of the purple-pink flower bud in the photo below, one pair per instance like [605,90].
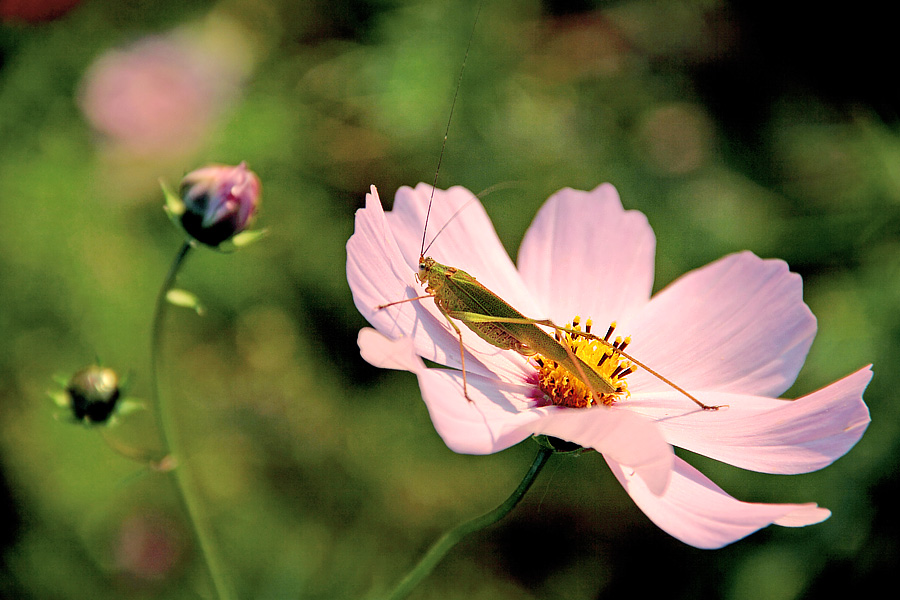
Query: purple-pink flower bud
[219,202]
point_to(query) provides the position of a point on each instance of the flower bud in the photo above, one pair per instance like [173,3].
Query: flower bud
[219,202]
[93,392]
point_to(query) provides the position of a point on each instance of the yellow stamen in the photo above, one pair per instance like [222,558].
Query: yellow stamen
[563,388]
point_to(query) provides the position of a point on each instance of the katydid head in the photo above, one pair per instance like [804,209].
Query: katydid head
[427,272]
[425,263]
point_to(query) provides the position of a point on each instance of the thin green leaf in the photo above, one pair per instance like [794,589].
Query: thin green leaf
[185,299]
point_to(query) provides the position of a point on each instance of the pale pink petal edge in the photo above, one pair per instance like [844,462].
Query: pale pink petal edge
[584,254]
[698,512]
[738,325]
[493,421]
[765,434]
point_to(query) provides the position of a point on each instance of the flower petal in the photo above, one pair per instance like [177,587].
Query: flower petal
[623,437]
[585,255]
[697,512]
[766,434]
[736,325]
[497,417]
[377,273]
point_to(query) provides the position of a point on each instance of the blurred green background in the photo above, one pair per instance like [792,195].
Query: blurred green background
[732,126]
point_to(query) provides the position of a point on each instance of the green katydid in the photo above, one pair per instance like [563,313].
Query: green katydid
[459,296]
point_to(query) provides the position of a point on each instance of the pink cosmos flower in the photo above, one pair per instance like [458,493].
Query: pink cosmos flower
[733,333]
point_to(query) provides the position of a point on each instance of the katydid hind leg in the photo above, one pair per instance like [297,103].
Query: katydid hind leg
[475,317]
[637,362]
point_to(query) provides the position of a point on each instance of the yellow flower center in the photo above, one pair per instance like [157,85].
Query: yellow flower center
[564,388]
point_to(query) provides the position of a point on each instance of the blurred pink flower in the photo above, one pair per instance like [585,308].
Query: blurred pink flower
[159,95]
[734,332]
[35,11]
[148,546]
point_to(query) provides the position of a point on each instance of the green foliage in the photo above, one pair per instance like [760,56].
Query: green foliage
[324,477]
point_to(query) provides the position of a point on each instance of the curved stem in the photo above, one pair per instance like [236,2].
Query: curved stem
[184,483]
[452,537]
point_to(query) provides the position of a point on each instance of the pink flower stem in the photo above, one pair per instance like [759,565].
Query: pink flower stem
[440,548]
[172,449]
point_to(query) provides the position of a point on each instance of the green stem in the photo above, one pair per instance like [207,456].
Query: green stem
[452,537]
[184,483]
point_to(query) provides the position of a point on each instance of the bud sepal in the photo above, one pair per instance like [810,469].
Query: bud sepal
[559,446]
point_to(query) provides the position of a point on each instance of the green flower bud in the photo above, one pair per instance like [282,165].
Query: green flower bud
[93,393]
